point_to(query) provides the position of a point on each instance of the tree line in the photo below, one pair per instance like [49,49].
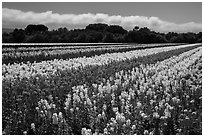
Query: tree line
[97,33]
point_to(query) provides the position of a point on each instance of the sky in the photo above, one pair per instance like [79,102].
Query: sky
[158,16]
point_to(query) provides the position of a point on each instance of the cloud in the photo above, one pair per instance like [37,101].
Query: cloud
[14,17]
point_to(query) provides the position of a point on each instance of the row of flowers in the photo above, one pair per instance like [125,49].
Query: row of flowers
[24,49]
[21,70]
[38,54]
[58,46]
[4,45]
[66,44]
[152,98]
[161,98]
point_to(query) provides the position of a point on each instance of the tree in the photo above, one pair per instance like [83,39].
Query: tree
[6,38]
[38,38]
[136,28]
[62,30]
[120,39]
[171,35]
[41,28]
[98,32]
[108,38]
[18,35]
[97,27]
[81,38]
[144,30]
[36,28]
[199,37]
[93,36]
[30,28]
[115,29]
[160,39]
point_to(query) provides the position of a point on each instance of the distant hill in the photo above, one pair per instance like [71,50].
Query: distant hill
[8,30]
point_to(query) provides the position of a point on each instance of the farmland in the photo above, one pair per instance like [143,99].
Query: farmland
[146,89]
[17,53]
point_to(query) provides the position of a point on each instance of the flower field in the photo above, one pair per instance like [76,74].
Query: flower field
[151,91]
[38,54]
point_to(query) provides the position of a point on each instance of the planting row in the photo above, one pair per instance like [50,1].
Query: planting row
[135,96]
[23,49]
[54,44]
[161,98]
[18,55]
[16,71]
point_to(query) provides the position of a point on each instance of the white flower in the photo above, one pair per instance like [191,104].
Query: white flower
[115,109]
[55,119]
[139,104]
[50,97]
[103,115]
[32,126]
[112,129]
[25,132]
[128,122]
[88,132]
[99,116]
[37,108]
[54,106]
[146,132]
[83,131]
[71,110]
[105,131]
[60,115]
[133,127]
[155,115]
[77,108]
[156,108]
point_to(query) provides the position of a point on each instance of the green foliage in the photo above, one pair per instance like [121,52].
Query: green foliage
[94,33]
[18,35]
[35,28]
[108,38]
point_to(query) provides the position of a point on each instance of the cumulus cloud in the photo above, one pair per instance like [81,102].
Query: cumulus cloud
[13,16]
